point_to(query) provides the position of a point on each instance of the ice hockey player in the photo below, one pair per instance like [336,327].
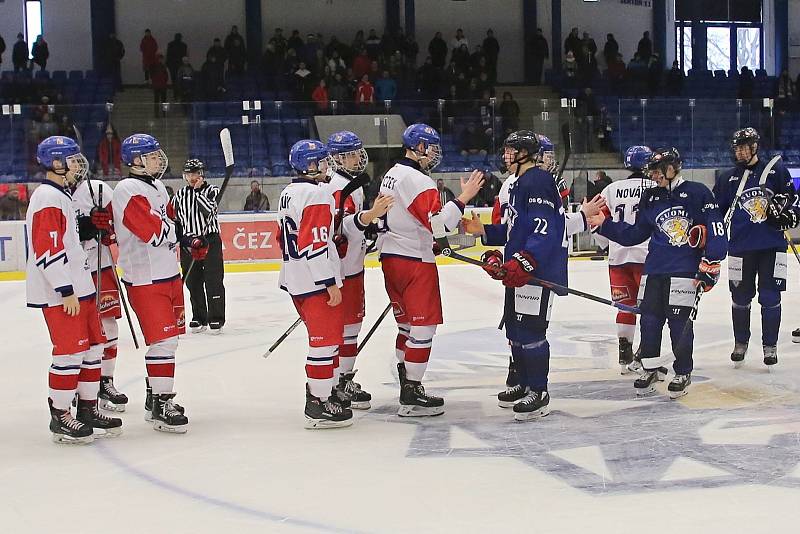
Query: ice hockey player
[198,232]
[407,259]
[143,222]
[350,160]
[625,264]
[575,223]
[95,222]
[535,240]
[687,244]
[762,207]
[59,281]
[311,274]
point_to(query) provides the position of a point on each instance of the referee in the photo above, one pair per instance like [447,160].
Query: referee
[198,231]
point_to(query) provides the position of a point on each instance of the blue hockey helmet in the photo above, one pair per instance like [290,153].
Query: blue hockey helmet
[153,160]
[637,157]
[60,154]
[431,141]
[347,152]
[305,152]
[547,153]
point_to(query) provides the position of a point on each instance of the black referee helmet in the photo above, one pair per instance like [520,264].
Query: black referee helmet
[194,165]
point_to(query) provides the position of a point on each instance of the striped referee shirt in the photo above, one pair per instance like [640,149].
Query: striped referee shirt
[196,210]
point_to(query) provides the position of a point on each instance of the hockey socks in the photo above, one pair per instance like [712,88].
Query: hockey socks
[418,350]
[319,370]
[348,349]
[89,376]
[110,351]
[741,322]
[160,363]
[400,342]
[532,361]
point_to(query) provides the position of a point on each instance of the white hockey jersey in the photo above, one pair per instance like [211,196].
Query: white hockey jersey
[310,263]
[145,233]
[84,202]
[622,198]
[353,261]
[57,264]
[406,228]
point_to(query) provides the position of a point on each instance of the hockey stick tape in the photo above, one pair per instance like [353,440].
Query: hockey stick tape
[227,146]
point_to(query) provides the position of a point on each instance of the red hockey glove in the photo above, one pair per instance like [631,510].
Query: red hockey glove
[171,211]
[101,219]
[199,248]
[518,271]
[707,274]
[341,244]
[493,263]
[697,236]
[108,239]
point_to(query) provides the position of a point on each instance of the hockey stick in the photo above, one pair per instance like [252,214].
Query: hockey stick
[447,251]
[283,336]
[99,248]
[227,151]
[122,298]
[373,328]
[567,150]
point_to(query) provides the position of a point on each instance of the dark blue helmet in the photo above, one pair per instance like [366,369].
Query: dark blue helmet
[637,157]
[664,157]
[305,152]
[58,148]
[142,146]
[347,143]
[431,141]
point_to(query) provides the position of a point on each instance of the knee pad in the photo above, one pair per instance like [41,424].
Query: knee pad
[165,347]
[769,298]
[351,332]
[111,330]
[421,336]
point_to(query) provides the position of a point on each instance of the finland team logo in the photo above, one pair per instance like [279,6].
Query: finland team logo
[755,203]
[675,223]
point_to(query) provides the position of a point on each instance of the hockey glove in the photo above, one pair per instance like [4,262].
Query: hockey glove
[697,236]
[518,271]
[199,248]
[493,263]
[341,244]
[707,274]
[780,214]
[101,219]
[108,238]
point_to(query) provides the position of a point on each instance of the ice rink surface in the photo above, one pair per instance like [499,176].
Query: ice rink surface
[725,458]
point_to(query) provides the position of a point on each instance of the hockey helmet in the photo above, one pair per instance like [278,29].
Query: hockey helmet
[637,157]
[523,140]
[194,165]
[431,141]
[547,153]
[663,158]
[66,152]
[306,152]
[144,147]
[347,152]
[746,136]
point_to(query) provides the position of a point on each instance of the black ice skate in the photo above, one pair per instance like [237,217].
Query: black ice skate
[148,402]
[625,355]
[796,336]
[401,373]
[636,365]
[215,327]
[679,386]
[326,414]
[646,383]
[737,356]
[67,429]
[535,405]
[195,327]
[770,354]
[414,402]
[165,415]
[340,397]
[103,426]
[511,396]
[359,399]
[109,397]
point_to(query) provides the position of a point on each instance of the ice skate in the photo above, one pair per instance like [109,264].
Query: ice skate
[414,402]
[770,355]
[103,426]
[679,386]
[326,414]
[646,383]
[109,397]
[625,356]
[535,405]
[511,396]
[359,399]
[67,429]
[165,415]
[148,402]
[796,336]
[215,327]
[737,356]
[195,327]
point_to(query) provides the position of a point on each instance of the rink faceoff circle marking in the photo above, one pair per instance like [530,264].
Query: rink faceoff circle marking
[625,445]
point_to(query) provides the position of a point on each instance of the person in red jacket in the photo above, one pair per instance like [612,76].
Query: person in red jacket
[361,64]
[108,152]
[365,92]
[149,48]
[320,96]
[159,80]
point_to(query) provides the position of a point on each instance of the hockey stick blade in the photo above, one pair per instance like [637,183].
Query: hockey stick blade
[227,152]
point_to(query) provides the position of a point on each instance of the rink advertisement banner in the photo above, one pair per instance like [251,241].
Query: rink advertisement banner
[250,237]
[12,246]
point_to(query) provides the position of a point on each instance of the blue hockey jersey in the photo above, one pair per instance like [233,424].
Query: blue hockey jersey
[666,217]
[749,228]
[536,223]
